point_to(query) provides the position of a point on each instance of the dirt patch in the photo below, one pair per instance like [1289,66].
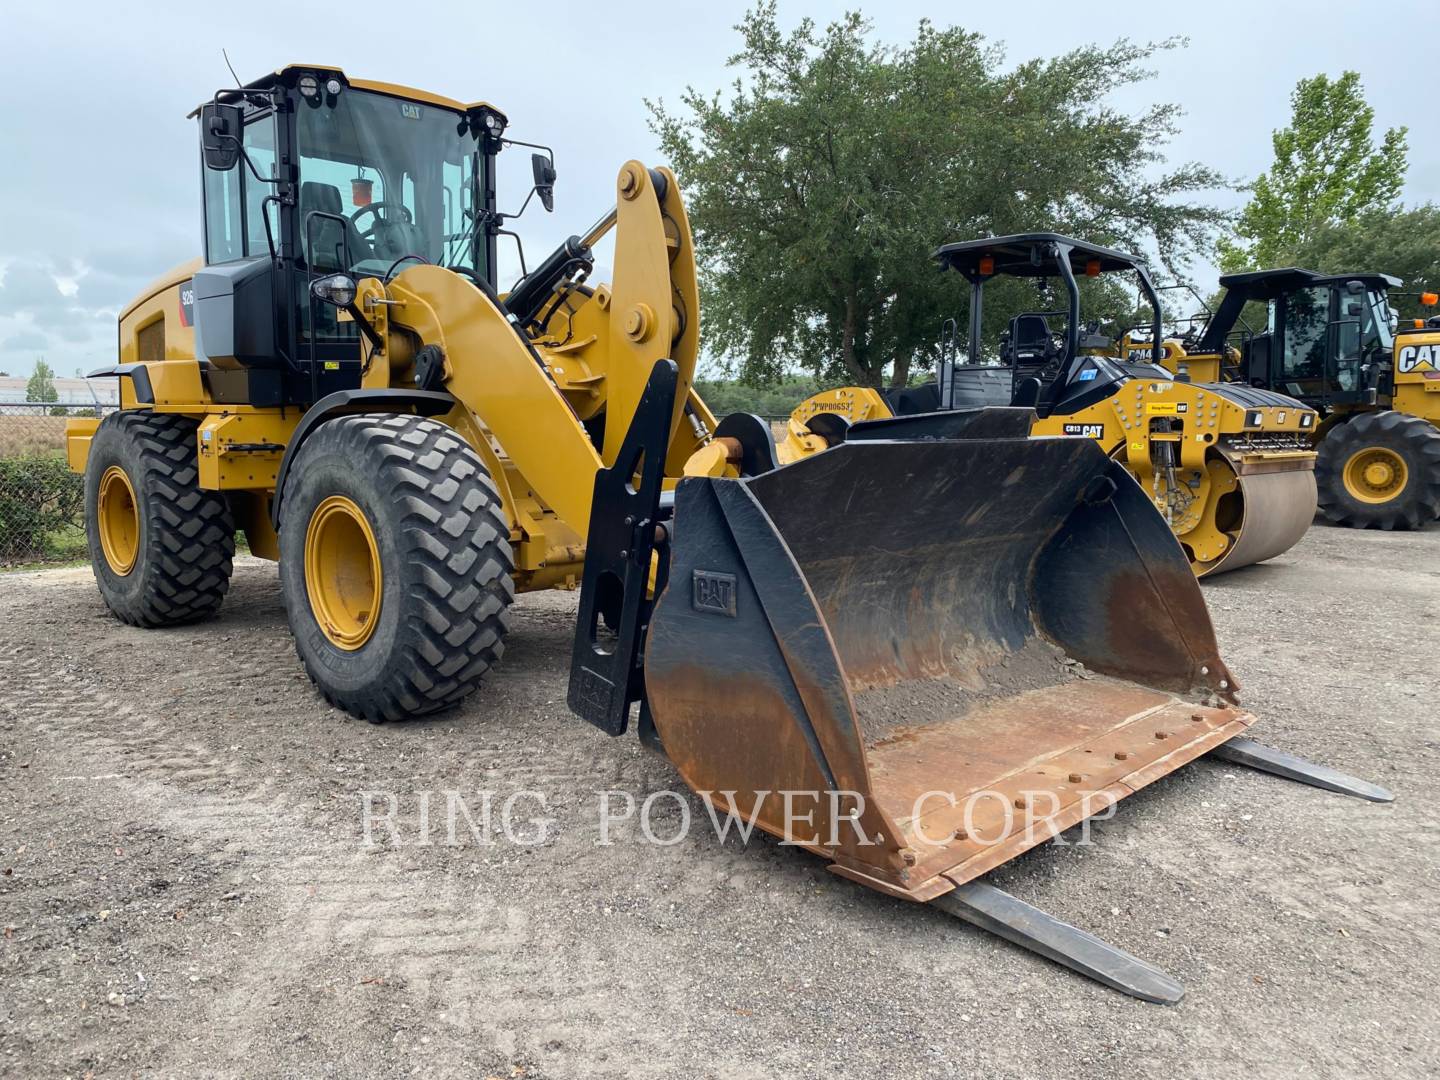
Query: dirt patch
[918,703]
[281,943]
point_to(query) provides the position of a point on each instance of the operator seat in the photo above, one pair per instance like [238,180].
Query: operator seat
[1255,360]
[1028,342]
[333,239]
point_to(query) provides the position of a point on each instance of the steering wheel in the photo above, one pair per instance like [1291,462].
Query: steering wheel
[375,208]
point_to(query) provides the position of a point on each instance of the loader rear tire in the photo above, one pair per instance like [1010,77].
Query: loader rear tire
[161,547]
[395,563]
[1380,470]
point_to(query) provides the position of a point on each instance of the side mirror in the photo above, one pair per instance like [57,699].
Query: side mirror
[1353,310]
[337,289]
[220,131]
[544,171]
[1354,286]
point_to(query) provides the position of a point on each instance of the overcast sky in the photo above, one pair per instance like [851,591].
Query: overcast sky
[99,171]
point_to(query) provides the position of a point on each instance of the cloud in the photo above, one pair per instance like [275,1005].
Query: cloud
[73,329]
[25,341]
[30,287]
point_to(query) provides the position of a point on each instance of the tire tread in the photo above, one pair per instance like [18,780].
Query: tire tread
[1413,437]
[186,573]
[455,537]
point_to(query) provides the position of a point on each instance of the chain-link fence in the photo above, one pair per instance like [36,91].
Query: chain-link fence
[42,503]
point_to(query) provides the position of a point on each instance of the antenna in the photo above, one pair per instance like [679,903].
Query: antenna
[232,69]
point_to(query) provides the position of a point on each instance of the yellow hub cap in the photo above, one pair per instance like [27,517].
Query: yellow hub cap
[119,521]
[342,572]
[1375,475]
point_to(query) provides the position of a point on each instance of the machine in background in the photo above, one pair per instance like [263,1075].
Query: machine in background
[1329,342]
[1230,467]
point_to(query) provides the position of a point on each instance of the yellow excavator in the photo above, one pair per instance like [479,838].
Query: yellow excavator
[915,681]
[1230,467]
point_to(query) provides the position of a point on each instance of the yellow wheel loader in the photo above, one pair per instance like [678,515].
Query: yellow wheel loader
[1329,342]
[1230,467]
[888,674]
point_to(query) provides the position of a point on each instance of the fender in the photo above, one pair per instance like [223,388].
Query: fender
[419,402]
[138,375]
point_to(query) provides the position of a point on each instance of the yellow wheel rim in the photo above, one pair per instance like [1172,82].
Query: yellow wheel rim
[119,521]
[1375,474]
[1211,537]
[342,572]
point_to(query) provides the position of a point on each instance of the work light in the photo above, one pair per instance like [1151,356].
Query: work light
[337,289]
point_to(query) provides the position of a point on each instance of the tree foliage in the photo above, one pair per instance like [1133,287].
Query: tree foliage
[1327,174]
[1401,243]
[41,386]
[820,184]
[725,396]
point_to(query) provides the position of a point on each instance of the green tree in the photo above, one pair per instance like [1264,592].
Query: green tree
[820,185]
[1327,173]
[725,396]
[1399,243]
[41,386]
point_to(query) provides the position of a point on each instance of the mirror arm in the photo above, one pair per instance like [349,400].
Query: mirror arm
[534,146]
[366,327]
[523,205]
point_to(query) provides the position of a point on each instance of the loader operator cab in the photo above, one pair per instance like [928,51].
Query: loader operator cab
[1328,339]
[307,173]
[1047,360]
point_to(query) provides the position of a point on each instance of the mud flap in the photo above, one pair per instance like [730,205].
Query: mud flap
[921,658]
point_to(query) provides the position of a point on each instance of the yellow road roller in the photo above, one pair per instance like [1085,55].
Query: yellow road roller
[1230,467]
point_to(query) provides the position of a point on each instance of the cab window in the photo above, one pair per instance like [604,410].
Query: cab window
[222,215]
[260,148]
[1307,321]
[235,207]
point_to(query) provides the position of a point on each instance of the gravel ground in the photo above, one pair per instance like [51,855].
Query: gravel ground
[187,890]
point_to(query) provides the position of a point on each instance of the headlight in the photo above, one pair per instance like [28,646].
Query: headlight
[492,124]
[337,289]
[310,86]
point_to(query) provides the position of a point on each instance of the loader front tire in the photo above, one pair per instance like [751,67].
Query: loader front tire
[395,563]
[1380,470]
[161,547]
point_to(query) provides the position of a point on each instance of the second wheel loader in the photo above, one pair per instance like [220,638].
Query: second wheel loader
[887,674]
[1230,467]
[1328,340]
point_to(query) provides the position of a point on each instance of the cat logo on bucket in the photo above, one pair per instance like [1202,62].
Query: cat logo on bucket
[1419,358]
[714,592]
